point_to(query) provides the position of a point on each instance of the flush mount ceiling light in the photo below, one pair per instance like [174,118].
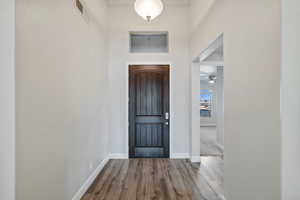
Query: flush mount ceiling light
[148,9]
[212,79]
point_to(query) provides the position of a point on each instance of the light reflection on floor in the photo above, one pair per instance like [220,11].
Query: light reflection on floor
[212,168]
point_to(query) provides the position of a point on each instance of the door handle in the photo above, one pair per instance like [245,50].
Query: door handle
[167,116]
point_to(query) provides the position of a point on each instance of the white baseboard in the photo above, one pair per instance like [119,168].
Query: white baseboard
[180,156]
[118,156]
[195,159]
[79,194]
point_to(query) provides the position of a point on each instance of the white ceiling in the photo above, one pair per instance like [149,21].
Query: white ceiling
[131,2]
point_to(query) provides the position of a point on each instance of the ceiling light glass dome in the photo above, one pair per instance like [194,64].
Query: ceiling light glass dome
[148,9]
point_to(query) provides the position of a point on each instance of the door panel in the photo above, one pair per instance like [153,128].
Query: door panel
[149,102]
[148,135]
[148,93]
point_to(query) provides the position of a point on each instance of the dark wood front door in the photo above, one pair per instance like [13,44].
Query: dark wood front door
[149,111]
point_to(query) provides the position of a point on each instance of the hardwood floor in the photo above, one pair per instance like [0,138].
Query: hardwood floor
[210,148]
[158,179]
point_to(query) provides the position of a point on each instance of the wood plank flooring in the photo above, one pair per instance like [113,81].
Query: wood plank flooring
[158,179]
[210,148]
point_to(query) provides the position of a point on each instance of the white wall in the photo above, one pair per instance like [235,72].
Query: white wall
[252,118]
[175,20]
[7,99]
[61,90]
[198,11]
[290,100]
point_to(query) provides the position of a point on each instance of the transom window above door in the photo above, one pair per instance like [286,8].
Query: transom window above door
[149,42]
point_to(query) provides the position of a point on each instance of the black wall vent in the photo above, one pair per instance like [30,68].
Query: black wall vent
[79,6]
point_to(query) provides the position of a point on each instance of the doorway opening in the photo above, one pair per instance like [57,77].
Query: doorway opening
[149,111]
[208,109]
[212,99]
[211,110]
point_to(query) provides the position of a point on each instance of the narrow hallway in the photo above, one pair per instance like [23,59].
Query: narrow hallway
[88,85]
